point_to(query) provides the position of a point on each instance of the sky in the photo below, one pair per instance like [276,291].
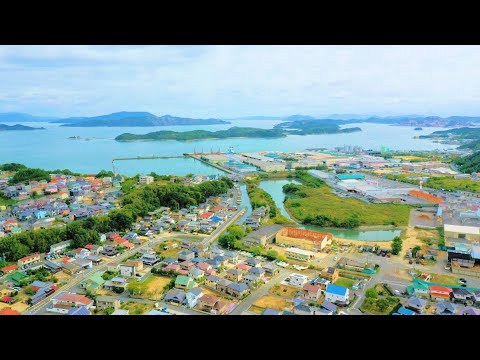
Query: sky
[233,81]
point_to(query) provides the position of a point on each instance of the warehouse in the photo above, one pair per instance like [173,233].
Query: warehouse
[304,239]
[461,232]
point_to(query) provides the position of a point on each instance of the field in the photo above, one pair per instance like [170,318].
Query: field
[439,182]
[341,281]
[332,208]
[444,279]
[284,291]
[256,309]
[411,158]
[155,286]
[171,252]
[273,302]
[137,308]
[18,306]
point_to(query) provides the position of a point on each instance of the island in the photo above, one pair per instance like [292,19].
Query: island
[279,131]
[418,128]
[466,137]
[134,119]
[4,127]
[234,132]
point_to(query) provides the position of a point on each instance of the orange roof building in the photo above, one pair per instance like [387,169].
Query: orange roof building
[432,199]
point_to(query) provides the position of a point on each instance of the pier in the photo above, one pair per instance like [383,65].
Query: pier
[219,167]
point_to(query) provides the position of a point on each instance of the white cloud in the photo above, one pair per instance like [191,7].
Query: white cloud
[225,81]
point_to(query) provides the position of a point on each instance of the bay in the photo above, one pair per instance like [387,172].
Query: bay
[51,148]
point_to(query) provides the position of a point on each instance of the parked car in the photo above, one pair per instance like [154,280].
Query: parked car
[462,280]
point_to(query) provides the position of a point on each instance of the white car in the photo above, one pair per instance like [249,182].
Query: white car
[335,258]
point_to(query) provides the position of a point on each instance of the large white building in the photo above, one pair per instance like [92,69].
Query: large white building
[298,280]
[145,179]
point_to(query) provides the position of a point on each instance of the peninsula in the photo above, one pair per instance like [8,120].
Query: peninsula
[4,127]
[134,119]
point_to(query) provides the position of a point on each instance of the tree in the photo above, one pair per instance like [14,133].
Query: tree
[272,254]
[415,250]
[382,304]
[396,245]
[371,293]
[29,291]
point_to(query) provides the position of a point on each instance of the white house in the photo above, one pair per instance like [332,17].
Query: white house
[127,270]
[82,253]
[60,247]
[298,280]
[336,293]
[64,302]
[193,296]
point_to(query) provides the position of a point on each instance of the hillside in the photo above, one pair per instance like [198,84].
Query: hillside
[4,127]
[21,117]
[125,119]
[469,164]
[308,127]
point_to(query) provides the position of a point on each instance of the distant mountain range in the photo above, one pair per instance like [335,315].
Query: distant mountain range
[4,127]
[21,117]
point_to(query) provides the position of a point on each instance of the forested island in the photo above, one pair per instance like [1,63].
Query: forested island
[467,136]
[290,128]
[4,127]
[135,119]
[469,164]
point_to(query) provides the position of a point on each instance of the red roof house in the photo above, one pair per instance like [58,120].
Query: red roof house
[206,215]
[9,312]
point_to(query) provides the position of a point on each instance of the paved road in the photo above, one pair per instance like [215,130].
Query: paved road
[40,307]
[263,290]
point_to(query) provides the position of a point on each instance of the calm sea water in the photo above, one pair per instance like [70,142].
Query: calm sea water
[274,188]
[51,148]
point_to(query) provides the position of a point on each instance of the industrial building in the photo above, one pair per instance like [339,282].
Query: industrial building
[303,239]
[460,233]
[299,254]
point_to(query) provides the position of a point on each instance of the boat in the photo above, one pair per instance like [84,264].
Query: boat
[418,128]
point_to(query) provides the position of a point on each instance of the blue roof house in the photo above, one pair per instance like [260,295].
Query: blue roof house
[337,294]
[40,214]
[405,311]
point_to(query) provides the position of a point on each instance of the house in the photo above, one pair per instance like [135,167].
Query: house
[71,268]
[186,255]
[469,310]
[404,311]
[212,281]
[81,253]
[270,311]
[462,295]
[270,269]
[42,291]
[150,259]
[104,302]
[60,247]
[445,308]
[94,249]
[440,292]
[222,260]
[64,301]
[222,285]
[321,282]
[302,309]
[330,273]
[207,268]
[336,294]
[425,276]
[127,270]
[328,308]
[93,283]
[417,304]
[207,303]
[297,280]
[253,262]
[8,269]
[237,290]
[234,275]
[193,297]
[250,279]
[27,261]
[220,308]
[175,296]
[187,265]
[116,284]
[232,257]
[259,272]
[184,282]
[311,292]
[196,274]
[243,267]
[82,310]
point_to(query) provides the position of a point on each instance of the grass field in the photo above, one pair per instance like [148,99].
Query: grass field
[155,286]
[321,201]
[273,302]
[341,281]
[137,308]
[444,279]
[284,291]
[256,309]
[439,182]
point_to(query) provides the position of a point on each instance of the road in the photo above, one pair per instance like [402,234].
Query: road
[263,290]
[40,307]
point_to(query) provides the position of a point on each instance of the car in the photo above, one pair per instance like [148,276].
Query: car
[462,280]
[463,285]
[335,258]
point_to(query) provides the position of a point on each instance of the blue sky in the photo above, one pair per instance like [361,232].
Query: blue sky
[231,81]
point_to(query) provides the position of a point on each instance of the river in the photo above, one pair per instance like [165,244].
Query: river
[274,188]
[51,148]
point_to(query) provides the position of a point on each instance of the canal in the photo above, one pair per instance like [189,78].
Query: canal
[274,188]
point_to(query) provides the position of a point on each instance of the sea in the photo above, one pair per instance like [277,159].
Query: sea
[95,148]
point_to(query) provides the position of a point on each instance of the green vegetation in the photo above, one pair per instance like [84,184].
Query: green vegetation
[137,289]
[24,174]
[470,164]
[317,205]
[415,250]
[137,308]
[472,145]
[6,201]
[307,127]
[441,233]
[341,281]
[438,182]
[105,173]
[464,133]
[12,167]
[231,239]
[128,185]
[204,134]
[396,245]
[4,127]
[109,275]
[259,198]
[378,302]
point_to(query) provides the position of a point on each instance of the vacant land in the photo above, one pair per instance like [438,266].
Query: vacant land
[438,182]
[170,252]
[256,309]
[444,279]
[284,291]
[273,302]
[18,306]
[155,286]
[320,206]
[137,308]
[341,281]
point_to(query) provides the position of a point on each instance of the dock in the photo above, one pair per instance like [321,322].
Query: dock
[219,167]
[153,157]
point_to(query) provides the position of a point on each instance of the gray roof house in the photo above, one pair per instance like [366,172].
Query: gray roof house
[445,308]
[417,304]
